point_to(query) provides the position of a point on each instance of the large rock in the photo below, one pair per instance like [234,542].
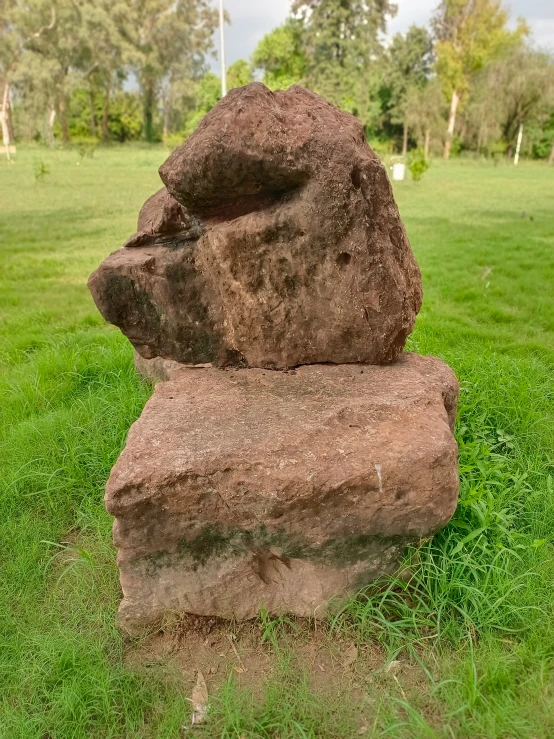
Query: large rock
[246,488]
[277,243]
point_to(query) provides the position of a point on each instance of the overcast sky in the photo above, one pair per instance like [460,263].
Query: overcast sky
[252,19]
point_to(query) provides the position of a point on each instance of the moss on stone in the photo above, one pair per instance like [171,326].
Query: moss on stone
[215,541]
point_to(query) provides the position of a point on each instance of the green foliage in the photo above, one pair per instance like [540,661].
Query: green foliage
[289,709]
[71,66]
[124,119]
[409,60]
[170,40]
[239,74]
[207,94]
[470,33]
[281,56]
[491,121]
[544,139]
[94,44]
[273,628]
[471,616]
[40,170]
[418,164]
[343,53]
[86,147]
[424,108]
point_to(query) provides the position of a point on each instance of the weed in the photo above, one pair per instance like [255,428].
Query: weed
[274,627]
[40,170]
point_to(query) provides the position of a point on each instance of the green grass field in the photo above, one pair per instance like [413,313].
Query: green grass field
[470,636]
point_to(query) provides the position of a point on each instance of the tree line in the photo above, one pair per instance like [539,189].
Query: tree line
[138,69]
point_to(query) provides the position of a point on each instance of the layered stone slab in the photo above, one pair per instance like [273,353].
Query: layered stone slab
[239,489]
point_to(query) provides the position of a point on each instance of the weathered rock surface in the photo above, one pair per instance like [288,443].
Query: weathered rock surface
[246,488]
[163,220]
[277,243]
[159,369]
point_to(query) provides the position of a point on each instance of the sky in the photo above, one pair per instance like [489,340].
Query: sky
[252,19]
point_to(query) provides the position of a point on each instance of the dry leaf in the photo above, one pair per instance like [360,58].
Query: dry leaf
[199,700]
[350,656]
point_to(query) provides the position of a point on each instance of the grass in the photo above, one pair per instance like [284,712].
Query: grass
[475,619]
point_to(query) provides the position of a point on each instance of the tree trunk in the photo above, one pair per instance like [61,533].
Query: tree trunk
[551,157]
[63,120]
[4,115]
[405,140]
[427,142]
[451,123]
[166,118]
[149,111]
[92,113]
[106,112]
[7,111]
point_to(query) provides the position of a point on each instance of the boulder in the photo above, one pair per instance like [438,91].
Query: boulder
[162,220]
[277,243]
[241,489]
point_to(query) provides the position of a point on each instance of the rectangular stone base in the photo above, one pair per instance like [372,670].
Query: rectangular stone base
[249,488]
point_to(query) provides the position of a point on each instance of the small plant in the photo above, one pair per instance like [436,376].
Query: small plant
[86,149]
[272,628]
[418,164]
[41,170]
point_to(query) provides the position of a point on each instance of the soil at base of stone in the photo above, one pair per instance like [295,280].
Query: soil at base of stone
[334,665]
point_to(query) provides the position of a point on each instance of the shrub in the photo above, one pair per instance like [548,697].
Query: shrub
[418,164]
[40,170]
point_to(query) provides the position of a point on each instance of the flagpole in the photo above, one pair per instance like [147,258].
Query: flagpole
[222,50]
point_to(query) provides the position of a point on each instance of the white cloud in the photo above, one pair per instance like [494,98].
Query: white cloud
[543,32]
[411,12]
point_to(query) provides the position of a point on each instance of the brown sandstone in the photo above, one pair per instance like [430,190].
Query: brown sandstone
[277,243]
[289,490]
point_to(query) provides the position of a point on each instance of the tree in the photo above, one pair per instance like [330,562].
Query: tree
[239,74]
[19,26]
[423,112]
[469,34]
[343,52]
[280,54]
[53,54]
[410,58]
[171,39]
[106,54]
[490,121]
[526,78]
[8,54]
[207,94]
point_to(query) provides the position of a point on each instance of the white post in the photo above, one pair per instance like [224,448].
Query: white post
[4,121]
[518,144]
[222,50]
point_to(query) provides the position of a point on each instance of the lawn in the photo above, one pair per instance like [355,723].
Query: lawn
[461,646]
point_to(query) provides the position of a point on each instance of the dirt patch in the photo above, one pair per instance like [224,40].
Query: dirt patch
[253,651]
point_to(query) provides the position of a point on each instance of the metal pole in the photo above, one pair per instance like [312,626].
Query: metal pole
[518,144]
[222,50]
